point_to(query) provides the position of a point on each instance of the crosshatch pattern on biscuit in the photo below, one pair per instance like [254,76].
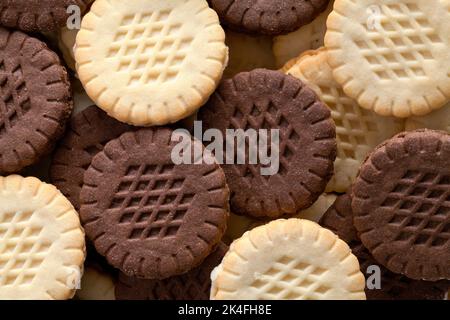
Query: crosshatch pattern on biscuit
[135,43]
[399,47]
[164,206]
[394,61]
[156,67]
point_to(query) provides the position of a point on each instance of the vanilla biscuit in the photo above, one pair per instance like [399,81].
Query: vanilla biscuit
[309,37]
[288,259]
[437,120]
[248,52]
[288,65]
[96,285]
[144,63]
[358,131]
[392,56]
[42,246]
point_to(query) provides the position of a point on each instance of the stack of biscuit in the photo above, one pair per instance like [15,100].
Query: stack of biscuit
[94,207]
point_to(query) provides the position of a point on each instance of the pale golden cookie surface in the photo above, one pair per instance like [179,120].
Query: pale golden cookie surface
[145,64]
[392,56]
[288,259]
[42,247]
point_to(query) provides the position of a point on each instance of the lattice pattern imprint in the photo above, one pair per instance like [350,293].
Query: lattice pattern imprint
[421,202]
[21,251]
[398,48]
[151,201]
[14,99]
[267,117]
[291,279]
[150,47]
[352,122]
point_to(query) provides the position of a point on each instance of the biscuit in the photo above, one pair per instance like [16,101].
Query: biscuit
[35,100]
[145,64]
[288,259]
[437,120]
[401,204]
[358,131]
[267,17]
[288,65]
[390,56]
[238,225]
[264,99]
[193,285]
[37,15]
[247,53]
[86,136]
[66,43]
[309,37]
[339,219]
[149,217]
[96,285]
[42,247]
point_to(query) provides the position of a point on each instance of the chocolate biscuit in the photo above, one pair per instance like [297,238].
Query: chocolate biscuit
[270,100]
[37,15]
[267,17]
[193,285]
[35,100]
[149,217]
[401,203]
[339,219]
[87,134]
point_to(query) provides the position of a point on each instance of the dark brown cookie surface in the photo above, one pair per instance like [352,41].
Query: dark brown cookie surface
[193,285]
[339,219]
[401,203]
[148,217]
[35,100]
[263,99]
[37,15]
[87,134]
[267,16]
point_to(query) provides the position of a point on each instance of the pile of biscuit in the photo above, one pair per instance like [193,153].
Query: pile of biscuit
[94,207]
